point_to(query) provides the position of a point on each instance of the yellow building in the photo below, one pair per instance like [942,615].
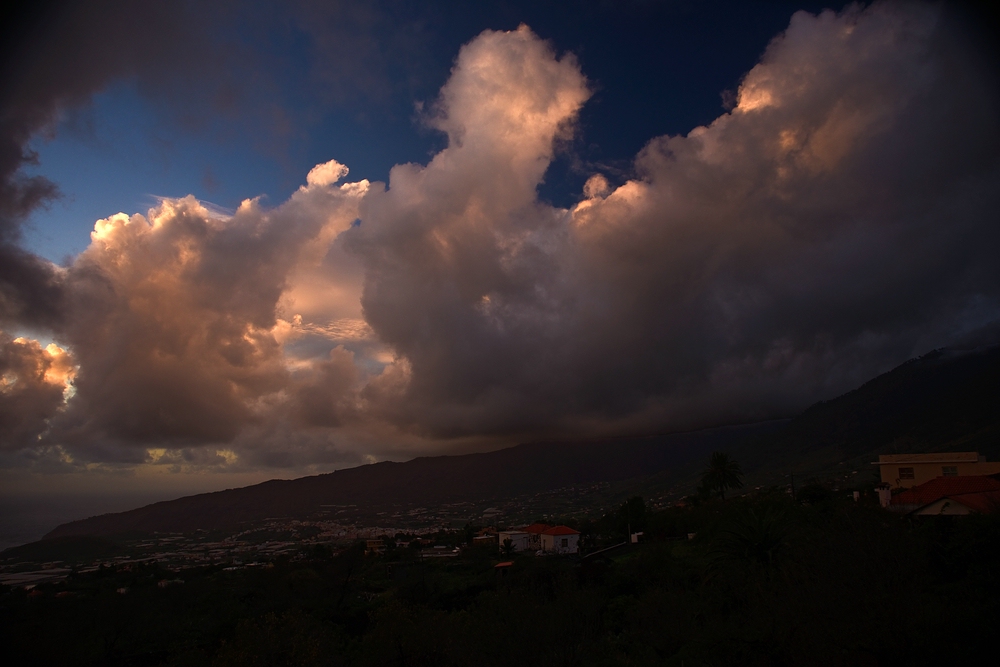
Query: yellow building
[901,471]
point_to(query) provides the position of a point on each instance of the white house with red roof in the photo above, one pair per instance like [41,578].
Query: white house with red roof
[534,532]
[561,540]
[542,537]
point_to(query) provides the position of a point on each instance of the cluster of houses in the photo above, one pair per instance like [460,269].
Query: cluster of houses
[946,483]
[540,537]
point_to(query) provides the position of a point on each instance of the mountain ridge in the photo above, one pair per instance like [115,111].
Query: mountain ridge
[943,399]
[524,468]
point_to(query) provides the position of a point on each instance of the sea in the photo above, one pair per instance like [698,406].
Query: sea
[25,519]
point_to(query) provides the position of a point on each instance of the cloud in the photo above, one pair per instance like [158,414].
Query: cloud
[55,56]
[836,222]
[327,173]
[33,383]
[839,219]
[175,317]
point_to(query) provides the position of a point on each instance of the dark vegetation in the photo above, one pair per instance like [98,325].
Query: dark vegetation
[766,580]
[722,474]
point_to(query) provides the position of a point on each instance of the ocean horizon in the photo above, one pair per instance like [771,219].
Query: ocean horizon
[25,519]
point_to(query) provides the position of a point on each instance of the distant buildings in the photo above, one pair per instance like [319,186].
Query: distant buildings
[534,532]
[561,540]
[487,540]
[542,537]
[903,471]
[515,540]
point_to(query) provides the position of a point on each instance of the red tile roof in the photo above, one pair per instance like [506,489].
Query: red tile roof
[536,528]
[984,503]
[946,487]
[561,530]
[506,563]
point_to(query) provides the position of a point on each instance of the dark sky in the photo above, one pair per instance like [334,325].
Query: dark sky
[273,238]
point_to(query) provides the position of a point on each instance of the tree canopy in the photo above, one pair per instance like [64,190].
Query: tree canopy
[722,474]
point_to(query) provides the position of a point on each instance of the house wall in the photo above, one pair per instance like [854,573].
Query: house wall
[481,540]
[926,467]
[555,544]
[519,540]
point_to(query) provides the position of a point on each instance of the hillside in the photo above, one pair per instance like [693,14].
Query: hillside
[948,399]
[944,400]
[528,468]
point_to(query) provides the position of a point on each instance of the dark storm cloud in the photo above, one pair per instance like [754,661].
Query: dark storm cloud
[55,56]
[840,219]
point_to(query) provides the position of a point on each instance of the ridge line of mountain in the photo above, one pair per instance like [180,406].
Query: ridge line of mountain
[935,401]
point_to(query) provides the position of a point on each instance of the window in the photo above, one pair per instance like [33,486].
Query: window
[906,473]
[565,542]
[949,471]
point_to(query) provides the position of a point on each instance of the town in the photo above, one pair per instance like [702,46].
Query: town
[956,483]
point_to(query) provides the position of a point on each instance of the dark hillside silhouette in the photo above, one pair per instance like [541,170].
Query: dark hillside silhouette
[945,400]
[527,468]
[948,399]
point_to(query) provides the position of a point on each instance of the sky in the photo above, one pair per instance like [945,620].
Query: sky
[248,240]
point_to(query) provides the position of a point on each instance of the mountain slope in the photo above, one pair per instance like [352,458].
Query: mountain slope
[946,400]
[522,469]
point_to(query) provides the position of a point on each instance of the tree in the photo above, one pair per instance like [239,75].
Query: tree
[632,517]
[722,474]
[507,548]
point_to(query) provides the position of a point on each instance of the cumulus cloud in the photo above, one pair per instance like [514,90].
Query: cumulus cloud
[175,317]
[33,384]
[55,56]
[837,220]
[840,219]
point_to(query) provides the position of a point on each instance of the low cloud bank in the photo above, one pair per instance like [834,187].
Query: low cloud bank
[840,218]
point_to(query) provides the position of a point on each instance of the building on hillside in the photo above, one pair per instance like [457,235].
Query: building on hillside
[519,540]
[534,532]
[481,540]
[903,471]
[953,495]
[374,546]
[561,540]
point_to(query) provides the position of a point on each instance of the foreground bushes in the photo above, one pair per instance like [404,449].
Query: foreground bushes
[766,581]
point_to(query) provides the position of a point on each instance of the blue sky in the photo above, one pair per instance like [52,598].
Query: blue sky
[656,68]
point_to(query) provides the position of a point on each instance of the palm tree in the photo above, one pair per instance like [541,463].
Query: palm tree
[722,473]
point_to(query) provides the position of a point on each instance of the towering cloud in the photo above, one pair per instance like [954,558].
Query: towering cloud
[174,317]
[840,218]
